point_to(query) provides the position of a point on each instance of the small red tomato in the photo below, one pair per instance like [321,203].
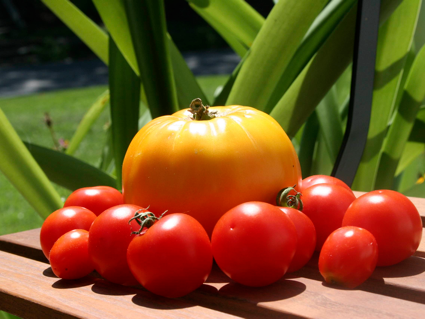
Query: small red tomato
[173,257]
[321,179]
[394,221]
[110,235]
[306,237]
[348,257]
[62,221]
[97,198]
[254,243]
[325,205]
[69,256]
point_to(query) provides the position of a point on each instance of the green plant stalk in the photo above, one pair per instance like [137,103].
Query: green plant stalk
[149,34]
[236,16]
[88,31]
[88,120]
[400,129]
[24,173]
[125,104]
[322,162]
[272,50]
[321,72]
[394,42]
[407,66]
[68,171]
[307,144]
[319,31]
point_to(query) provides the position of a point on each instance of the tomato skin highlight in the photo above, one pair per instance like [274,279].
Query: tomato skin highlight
[178,164]
[325,205]
[109,238]
[254,243]
[96,198]
[62,221]
[173,257]
[322,179]
[394,221]
[69,257]
[348,257]
[306,238]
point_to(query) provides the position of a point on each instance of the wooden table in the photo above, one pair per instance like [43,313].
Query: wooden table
[29,289]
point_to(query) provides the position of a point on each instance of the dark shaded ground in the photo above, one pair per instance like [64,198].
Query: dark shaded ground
[16,81]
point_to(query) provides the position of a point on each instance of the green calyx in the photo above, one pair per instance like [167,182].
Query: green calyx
[286,199]
[145,219]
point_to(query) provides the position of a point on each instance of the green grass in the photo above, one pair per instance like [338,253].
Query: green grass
[66,109]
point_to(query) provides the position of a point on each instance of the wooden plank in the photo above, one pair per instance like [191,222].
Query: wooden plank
[26,244]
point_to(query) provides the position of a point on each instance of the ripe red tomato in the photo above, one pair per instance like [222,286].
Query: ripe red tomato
[321,179]
[306,238]
[348,256]
[254,243]
[97,198]
[171,258]
[325,205]
[69,256]
[110,235]
[394,221]
[62,221]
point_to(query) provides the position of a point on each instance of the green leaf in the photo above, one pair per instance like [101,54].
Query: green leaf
[319,31]
[149,34]
[416,191]
[68,171]
[321,72]
[88,31]
[401,127]
[234,17]
[307,145]
[24,173]
[272,51]
[124,86]
[86,123]
[394,42]
[410,175]
[322,162]
[107,163]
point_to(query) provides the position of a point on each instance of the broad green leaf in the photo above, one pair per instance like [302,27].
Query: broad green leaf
[322,162]
[407,66]
[307,144]
[271,51]
[418,190]
[319,31]
[411,151]
[316,79]
[401,127]
[236,18]
[124,87]
[24,173]
[394,42]
[86,123]
[68,171]
[410,175]
[107,163]
[88,31]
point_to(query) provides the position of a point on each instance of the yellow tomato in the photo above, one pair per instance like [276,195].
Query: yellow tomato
[206,167]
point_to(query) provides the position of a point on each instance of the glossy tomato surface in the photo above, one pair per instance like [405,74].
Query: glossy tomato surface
[325,205]
[109,238]
[394,221]
[171,258]
[306,238]
[97,198]
[69,256]
[204,168]
[62,221]
[322,179]
[348,256]
[254,243]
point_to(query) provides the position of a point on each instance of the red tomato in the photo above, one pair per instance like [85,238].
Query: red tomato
[325,205]
[321,179]
[348,257]
[254,243]
[306,237]
[69,256]
[171,258]
[394,221]
[109,238]
[62,221]
[97,198]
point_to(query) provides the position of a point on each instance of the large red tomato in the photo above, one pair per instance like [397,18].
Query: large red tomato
[321,179]
[394,221]
[205,167]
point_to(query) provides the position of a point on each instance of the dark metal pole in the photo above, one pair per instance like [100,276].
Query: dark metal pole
[360,106]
